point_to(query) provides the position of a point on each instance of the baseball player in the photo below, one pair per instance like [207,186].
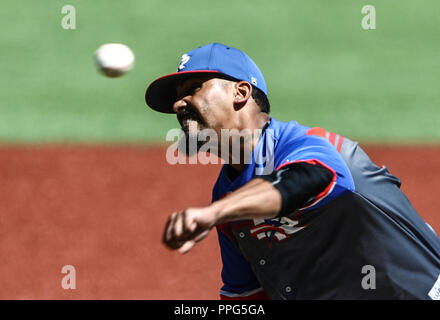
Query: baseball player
[307,215]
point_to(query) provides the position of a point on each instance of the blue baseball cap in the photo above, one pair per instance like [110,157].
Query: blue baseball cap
[214,59]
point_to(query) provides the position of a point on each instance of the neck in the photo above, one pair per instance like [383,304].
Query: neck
[248,137]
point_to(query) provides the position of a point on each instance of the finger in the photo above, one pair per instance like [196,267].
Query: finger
[165,231]
[201,236]
[179,225]
[169,231]
[187,246]
[183,228]
[189,225]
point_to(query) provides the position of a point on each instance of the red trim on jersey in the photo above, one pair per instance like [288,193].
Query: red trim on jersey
[327,190]
[332,138]
[256,296]
[311,161]
[317,131]
[225,228]
[224,196]
[262,228]
[341,140]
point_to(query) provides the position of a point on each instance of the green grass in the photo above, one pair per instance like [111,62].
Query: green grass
[321,67]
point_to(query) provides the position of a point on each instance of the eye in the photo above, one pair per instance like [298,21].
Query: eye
[190,89]
[193,88]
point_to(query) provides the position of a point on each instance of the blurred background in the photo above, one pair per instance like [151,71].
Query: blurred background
[82,159]
[321,67]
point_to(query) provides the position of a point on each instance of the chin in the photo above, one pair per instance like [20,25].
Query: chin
[189,144]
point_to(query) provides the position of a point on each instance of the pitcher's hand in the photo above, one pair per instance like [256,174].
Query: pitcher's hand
[185,228]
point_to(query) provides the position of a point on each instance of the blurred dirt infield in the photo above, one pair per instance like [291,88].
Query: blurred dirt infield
[102,210]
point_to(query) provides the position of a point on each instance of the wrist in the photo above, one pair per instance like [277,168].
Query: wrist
[218,212]
[229,209]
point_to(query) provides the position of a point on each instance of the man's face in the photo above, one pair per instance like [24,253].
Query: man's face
[204,102]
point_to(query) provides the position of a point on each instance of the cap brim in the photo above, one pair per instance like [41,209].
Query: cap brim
[161,93]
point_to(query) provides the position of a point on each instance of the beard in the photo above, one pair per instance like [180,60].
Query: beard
[189,142]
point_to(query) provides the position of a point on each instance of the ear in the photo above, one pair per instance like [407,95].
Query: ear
[242,93]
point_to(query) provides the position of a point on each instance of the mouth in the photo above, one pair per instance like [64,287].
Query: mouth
[189,118]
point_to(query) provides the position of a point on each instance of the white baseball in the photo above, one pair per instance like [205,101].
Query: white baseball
[114,59]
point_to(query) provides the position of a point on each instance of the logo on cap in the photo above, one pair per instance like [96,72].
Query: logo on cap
[185,58]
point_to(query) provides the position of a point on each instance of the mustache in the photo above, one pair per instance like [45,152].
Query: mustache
[189,113]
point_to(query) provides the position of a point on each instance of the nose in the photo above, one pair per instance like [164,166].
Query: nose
[179,104]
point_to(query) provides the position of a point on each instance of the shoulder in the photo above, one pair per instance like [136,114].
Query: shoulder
[293,141]
[291,135]
[281,130]
[297,143]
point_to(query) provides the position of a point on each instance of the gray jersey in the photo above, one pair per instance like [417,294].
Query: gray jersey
[368,243]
